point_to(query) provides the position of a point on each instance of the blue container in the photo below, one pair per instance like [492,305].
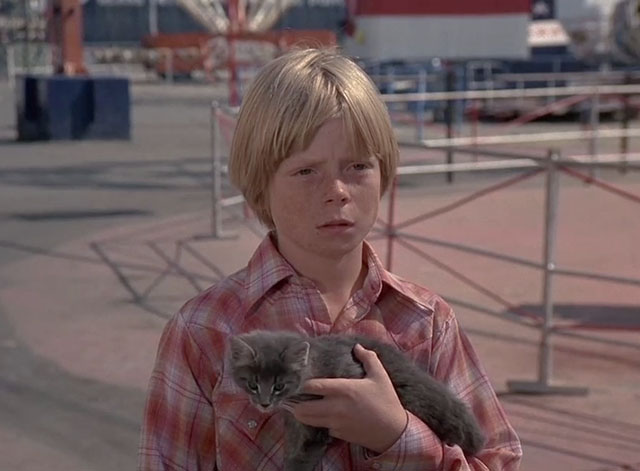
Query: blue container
[111,106]
[63,108]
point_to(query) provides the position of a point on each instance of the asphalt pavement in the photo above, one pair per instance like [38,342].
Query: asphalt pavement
[100,242]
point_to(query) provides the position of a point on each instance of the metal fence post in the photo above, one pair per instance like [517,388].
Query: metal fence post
[11,66]
[218,203]
[545,362]
[391,229]
[216,172]
[551,224]
[594,125]
[420,105]
[624,124]
[449,116]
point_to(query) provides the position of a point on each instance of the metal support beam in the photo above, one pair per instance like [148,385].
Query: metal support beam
[545,360]
[67,37]
[217,203]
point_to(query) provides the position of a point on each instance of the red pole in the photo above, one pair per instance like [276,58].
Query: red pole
[65,31]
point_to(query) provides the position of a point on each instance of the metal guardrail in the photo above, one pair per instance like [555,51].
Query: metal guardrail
[530,138]
[552,164]
[514,93]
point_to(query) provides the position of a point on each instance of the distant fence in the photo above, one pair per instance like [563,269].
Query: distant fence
[551,163]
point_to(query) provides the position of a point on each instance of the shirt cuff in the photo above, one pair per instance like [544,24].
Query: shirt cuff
[417,449]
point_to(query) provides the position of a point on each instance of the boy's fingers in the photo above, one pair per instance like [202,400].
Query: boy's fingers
[325,386]
[372,365]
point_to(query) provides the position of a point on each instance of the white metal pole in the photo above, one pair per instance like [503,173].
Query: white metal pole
[153,17]
[420,112]
[216,172]
[594,125]
[11,65]
[545,361]
[551,218]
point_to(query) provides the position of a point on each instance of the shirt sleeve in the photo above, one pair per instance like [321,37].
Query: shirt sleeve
[454,362]
[178,430]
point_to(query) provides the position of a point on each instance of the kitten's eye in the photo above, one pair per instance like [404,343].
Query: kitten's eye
[252,385]
[278,387]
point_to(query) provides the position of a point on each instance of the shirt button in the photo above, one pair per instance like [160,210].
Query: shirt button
[252,424]
[375,465]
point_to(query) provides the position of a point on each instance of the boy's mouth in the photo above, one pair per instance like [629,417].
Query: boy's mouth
[336,223]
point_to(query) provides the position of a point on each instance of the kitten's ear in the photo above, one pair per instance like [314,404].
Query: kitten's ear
[241,352]
[297,355]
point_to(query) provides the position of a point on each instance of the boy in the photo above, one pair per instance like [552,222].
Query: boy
[313,152]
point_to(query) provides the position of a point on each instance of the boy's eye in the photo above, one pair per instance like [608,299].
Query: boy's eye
[304,171]
[361,166]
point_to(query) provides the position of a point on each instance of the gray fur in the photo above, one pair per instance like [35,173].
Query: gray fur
[273,366]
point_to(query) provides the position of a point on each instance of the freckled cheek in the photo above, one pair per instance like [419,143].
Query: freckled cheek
[288,202]
[291,211]
[368,202]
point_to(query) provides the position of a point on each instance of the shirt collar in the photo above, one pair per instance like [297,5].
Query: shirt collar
[377,275]
[267,267]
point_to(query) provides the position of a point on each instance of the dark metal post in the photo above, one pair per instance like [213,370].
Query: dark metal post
[391,230]
[626,116]
[449,116]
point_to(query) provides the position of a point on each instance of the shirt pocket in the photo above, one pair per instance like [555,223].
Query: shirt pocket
[246,438]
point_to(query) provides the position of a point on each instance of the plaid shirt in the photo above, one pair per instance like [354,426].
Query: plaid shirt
[197,419]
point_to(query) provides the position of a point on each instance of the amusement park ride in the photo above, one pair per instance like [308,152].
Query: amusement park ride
[241,25]
[71,104]
[232,27]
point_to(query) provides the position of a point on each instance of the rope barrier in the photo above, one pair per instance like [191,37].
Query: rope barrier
[468,281]
[467,199]
[594,326]
[599,183]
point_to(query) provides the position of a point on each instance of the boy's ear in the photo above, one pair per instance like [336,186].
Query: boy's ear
[241,352]
[297,355]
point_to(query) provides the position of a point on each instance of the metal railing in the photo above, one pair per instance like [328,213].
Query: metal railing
[551,164]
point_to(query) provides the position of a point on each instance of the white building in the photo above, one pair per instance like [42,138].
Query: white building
[459,29]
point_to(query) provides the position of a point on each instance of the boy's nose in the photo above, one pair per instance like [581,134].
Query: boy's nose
[337,192]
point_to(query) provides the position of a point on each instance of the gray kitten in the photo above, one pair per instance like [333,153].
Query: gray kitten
[273,366]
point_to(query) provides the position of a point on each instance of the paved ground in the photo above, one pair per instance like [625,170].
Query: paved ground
[100,242]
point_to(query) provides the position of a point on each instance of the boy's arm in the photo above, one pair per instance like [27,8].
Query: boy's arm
[418,449]
[177,429]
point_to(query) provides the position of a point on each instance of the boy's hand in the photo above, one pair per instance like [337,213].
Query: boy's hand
[363,411]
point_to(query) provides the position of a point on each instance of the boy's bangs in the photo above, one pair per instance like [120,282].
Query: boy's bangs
[366,135]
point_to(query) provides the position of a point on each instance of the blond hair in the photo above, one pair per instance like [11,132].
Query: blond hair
[286,104]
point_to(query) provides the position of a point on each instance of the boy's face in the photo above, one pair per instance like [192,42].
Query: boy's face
[324,200]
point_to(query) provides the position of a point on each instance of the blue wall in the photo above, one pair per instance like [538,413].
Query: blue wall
[127,21]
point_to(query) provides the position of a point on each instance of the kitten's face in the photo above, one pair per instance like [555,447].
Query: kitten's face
[269,370]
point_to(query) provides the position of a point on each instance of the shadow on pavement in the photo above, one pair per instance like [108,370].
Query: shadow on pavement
[67,215]
[94,422]
[188,172]
[594,439]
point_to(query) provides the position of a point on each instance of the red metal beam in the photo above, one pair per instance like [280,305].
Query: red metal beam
[65,27]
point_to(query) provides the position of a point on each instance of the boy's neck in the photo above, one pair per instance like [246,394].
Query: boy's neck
[335,277]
